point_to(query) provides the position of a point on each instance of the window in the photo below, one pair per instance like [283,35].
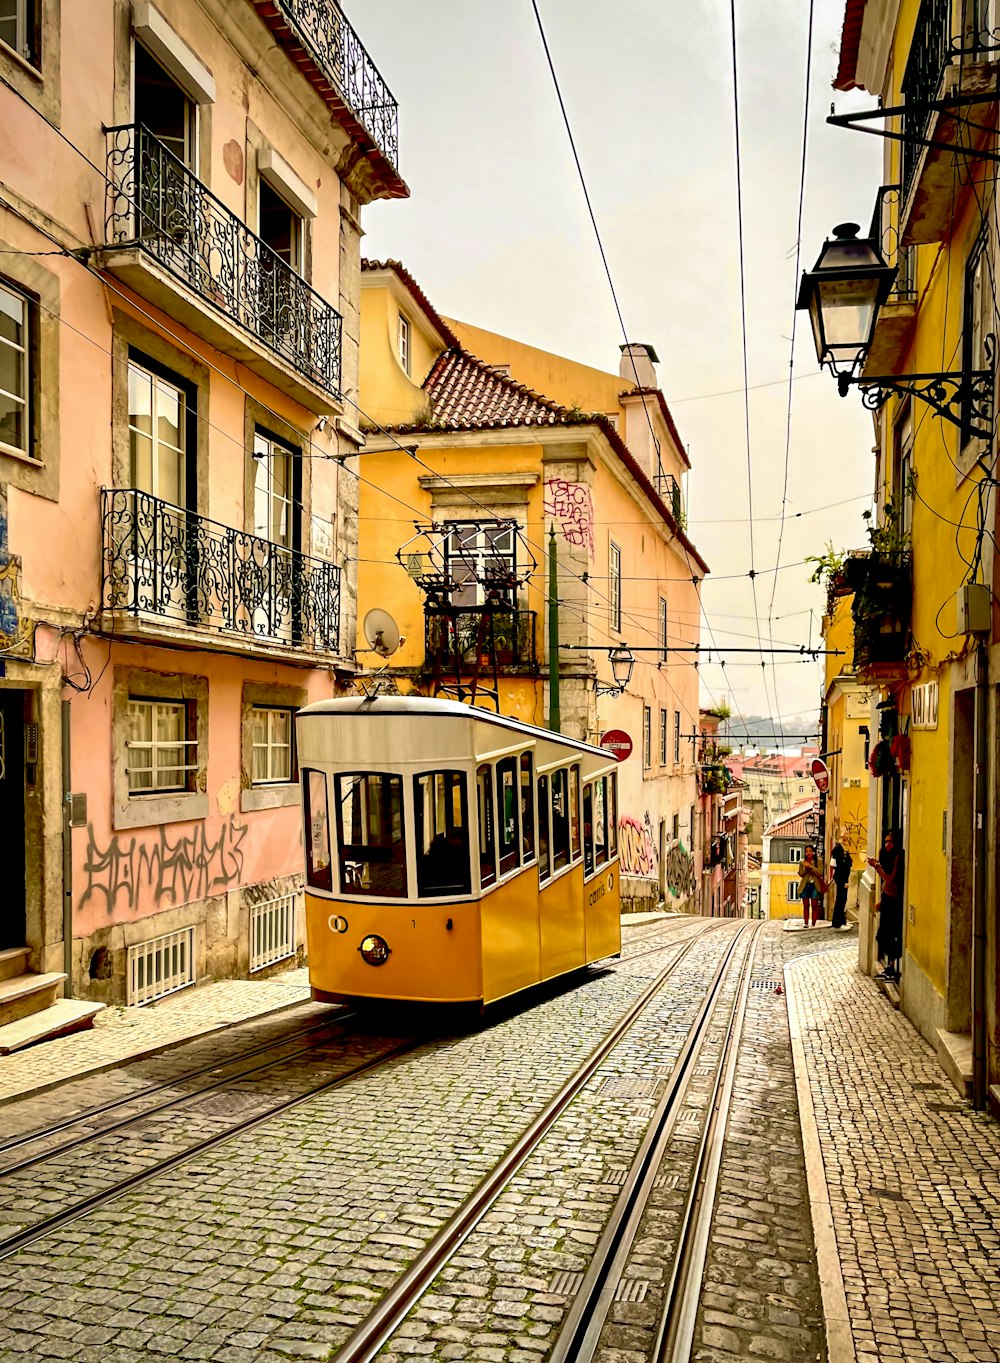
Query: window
[370,834]
[600,822]
[794,854]
[588,829]
[507,807]
[160,409]
[527,808]
[162,106]
[974,327]
[319,871]
[271,745]
[677,735]
[574,813]
[487,826]
[560,820]
[675,830]
[663,738]
[161,756]
[647,737]
[441,819]
[19,28]
[403,339]
[615,587]
[663,630]
[274,491]
[480,558]
[612,808]
[15,368]
[279,227]
[793,892]
[544,867]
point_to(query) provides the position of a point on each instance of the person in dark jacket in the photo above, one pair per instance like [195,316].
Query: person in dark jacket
[890,870]
[840,870]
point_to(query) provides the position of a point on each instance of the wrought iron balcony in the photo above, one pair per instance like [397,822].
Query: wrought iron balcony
[158,206]
[464,640]
[882,583]
[340,54]
[163,563]
[670,490]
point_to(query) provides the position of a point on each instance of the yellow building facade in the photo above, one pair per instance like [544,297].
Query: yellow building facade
[468,478]
[934,67]
[847,702]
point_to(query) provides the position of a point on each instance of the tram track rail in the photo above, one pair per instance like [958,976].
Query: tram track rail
[12,1244]
[378,1327]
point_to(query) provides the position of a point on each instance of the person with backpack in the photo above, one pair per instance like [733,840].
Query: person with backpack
[840,872]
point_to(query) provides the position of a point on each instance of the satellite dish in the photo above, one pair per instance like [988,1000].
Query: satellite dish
[382,633]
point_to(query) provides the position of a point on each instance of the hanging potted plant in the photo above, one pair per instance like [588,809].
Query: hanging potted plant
[881,761]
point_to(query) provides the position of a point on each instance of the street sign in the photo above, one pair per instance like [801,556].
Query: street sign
[820,774]
[617,743]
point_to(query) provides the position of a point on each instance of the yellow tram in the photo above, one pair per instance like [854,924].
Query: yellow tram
[452,855]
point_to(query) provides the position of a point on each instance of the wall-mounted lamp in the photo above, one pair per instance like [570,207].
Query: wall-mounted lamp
[622,663]
[843,294]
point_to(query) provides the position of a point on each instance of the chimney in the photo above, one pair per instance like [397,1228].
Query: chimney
[637,365]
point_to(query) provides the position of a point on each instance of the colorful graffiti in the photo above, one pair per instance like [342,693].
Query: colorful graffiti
[637,852]
[573,506]
[190,868]
[678,871]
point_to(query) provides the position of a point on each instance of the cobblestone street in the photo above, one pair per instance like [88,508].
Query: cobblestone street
[862,1225]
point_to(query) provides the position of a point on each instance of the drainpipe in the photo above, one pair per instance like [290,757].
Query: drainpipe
[67,848]
[555,717]
[979,906]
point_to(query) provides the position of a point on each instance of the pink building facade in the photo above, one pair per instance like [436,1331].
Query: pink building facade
[179,318]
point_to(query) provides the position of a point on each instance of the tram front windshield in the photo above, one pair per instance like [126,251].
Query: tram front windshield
[370,834]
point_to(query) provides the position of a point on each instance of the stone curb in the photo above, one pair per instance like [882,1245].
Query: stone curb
[839,1335]
[144,1052]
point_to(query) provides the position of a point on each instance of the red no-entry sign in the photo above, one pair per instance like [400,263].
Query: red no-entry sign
[617,743]
[820,774]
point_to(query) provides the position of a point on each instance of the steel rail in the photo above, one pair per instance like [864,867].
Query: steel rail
[12,1244]
[675,1333]
[579,1338]
[42,1133]
[377,1328]
[32,1160]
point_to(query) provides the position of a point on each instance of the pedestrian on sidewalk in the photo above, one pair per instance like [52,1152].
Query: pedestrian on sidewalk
[890,868]
[840,871]
[812,886]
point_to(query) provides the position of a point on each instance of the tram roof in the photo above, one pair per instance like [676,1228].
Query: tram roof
[383,706]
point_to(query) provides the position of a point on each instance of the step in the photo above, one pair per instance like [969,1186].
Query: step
[61,1018]
[954,1053]
[22,995]
[13,961]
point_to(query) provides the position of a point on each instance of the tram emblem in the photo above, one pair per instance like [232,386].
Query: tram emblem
[337,923]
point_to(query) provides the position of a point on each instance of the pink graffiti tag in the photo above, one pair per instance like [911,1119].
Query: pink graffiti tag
[573,506]
[636,849]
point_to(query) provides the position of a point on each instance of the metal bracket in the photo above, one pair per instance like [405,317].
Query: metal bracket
[860,117]
[964,399]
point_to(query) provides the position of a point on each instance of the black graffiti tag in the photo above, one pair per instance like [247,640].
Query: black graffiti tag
[190,868]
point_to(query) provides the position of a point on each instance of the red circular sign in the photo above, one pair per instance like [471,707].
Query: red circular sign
[820,775]
[617,743]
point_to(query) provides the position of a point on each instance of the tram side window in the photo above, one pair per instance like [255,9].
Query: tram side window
[544,869]
[487,826]
[588,829]
[507,814]
[612,780]
[441,816]
[600,822]
[574,813]
[560,819]
[370,834]
[527,808]
[319,864]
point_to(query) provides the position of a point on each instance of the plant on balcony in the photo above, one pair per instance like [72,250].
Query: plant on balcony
[828,571]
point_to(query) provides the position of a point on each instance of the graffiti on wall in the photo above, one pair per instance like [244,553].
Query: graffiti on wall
[637,852]
[678,871]
[572,505]
[854,835]
[193,866]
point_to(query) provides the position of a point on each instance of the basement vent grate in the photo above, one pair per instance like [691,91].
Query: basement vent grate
[565,1284]
[629,1088]
[763,984]
[160,966]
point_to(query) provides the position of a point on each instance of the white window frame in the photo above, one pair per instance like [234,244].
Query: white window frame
[792,892]
[479,546]
[265,447]
[297,253]
[152,745]
[795,854]
[24,348]
[677,737]
[269,747]
[614,587]
[647,737]
[664,652]
[403,334]
[23,26]
[157,385]
[663,737]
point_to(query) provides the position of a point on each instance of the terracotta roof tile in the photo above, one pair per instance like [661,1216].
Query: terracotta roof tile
[467,394]
[850,42]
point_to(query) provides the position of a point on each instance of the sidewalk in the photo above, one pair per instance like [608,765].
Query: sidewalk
[123,1034]
[904,1179]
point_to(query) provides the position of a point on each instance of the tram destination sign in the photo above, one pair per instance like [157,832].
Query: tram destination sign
[617,743]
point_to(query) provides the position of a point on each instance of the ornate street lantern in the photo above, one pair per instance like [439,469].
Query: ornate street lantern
[842,295]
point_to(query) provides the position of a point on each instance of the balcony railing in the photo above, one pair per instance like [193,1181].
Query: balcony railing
[156,204]
[467,644]
[670,491]
[163,563]
[882,583]
[341,55]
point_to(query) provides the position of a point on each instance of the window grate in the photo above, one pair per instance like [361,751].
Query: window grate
[161,966]
[272,931]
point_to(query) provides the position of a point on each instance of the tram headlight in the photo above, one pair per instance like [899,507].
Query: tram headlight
[374,950]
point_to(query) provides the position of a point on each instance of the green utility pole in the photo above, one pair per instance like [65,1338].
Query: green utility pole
[555,719]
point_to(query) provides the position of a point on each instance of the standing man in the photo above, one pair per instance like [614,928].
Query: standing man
[840,874]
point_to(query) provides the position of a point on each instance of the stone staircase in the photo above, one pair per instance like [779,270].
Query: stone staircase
[31,1008]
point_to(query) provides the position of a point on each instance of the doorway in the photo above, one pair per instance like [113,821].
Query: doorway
[958,1001]
[13,922]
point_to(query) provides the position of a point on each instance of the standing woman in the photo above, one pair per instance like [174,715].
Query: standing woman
[812,886]
[889,938]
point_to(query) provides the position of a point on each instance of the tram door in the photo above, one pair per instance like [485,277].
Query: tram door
[13,923]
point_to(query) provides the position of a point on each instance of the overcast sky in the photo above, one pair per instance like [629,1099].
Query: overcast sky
[497,233]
